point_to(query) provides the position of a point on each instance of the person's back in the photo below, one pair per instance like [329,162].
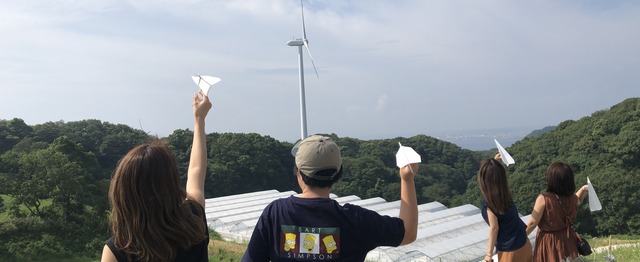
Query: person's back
[152,217]
[507,232]
[193,252]
[554,239]
[512,231]
[319,228]
[311,226]
[553,213]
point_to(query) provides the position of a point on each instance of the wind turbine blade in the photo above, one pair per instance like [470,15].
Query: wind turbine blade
[304,40]
[311,57]
[304,32]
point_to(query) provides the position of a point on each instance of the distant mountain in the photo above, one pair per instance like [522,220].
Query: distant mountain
[482,139]
[539,132]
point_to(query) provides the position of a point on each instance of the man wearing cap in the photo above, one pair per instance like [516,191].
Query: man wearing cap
[312,227]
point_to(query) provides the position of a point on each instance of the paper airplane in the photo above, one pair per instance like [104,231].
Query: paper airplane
[594,202]
[205,82]
[406,155]
[506,158]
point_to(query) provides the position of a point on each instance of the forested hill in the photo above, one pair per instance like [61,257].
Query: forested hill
[604,147]
[54,176]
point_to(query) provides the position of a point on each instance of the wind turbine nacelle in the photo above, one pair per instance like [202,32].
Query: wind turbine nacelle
[297,42]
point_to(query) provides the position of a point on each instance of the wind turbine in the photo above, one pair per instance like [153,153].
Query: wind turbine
[299,43]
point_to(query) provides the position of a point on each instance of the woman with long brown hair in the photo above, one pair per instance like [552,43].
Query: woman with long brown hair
[152,217]
[507,232]
[553,214]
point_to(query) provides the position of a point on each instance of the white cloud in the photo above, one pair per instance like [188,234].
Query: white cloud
[382,103]
[443,60]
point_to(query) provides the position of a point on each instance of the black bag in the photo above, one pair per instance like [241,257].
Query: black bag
[583,246]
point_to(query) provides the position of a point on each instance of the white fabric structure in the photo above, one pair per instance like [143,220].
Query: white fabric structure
[444,234]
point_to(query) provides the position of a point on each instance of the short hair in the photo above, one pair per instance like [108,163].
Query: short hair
[320,183]
[560,179]
[492,180]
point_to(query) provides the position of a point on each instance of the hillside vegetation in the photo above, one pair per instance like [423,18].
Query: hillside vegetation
[604,147]
[54,176]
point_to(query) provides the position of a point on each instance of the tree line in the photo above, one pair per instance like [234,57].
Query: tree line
[54,176]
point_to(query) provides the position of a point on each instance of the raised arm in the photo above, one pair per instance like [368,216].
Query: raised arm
[498,157]
[536,214]
[198,159]
[581,193]
[408,203]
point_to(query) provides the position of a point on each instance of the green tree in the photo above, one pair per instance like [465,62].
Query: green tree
[241,163]
[64,212]
[365,177]
[11,132]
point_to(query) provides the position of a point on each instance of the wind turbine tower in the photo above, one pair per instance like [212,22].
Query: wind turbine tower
[299,43]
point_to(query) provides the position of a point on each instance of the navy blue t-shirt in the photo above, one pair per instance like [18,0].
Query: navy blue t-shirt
[512,232]
[320,229]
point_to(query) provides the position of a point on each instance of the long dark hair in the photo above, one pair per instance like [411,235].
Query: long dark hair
[151,217]
[492,180]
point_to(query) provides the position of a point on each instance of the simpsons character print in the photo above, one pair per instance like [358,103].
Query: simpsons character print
[312,243]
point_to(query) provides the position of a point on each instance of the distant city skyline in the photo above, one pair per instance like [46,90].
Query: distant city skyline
[387,68]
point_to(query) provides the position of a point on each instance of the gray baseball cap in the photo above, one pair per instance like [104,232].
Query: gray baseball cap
[316,153]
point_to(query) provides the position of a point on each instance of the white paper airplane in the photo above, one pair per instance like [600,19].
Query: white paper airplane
[205,82]
[506,158]
[594,202]
[406,155]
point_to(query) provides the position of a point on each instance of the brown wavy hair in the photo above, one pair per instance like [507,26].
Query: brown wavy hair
[492,180]
[151,218]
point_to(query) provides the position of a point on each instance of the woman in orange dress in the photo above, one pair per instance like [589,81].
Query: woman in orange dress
[553,213]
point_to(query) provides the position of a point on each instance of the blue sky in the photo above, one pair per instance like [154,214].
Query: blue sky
[387,68]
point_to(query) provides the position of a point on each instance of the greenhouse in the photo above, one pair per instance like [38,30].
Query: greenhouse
[444,234]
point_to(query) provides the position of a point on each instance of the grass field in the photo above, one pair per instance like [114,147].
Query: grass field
[623,248]
[222,251]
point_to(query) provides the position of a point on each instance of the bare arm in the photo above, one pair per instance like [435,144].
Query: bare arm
[536,214]
[408,203]
[498,157]
[493,234]
[581,193]
[198,159]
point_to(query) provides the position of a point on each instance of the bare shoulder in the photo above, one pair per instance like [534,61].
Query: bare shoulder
[540,201]
[107,255]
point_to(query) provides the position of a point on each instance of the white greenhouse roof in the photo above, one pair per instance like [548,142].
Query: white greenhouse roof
[444,234]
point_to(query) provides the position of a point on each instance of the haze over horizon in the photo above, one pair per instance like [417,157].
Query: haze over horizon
[387,68]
